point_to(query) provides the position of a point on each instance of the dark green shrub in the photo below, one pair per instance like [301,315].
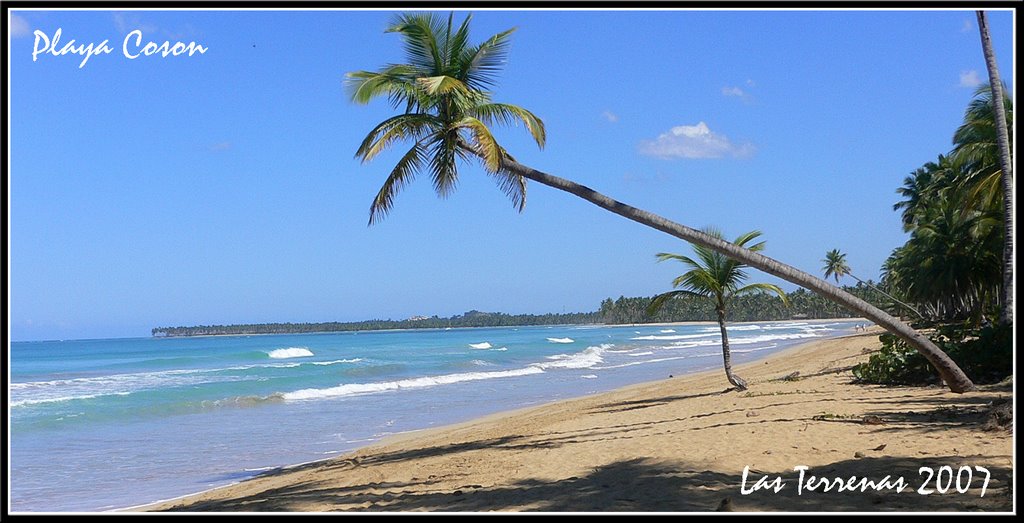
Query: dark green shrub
[985,355]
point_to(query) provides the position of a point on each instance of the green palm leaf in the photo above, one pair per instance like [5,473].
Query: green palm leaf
[400,176]
[392,130]
[508,114]
[482,64]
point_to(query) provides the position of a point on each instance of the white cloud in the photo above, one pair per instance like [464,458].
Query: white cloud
[969,78]
[610,116]
[126,23]
[19,27]
[220,146]
[733,91]
[693,141]
[967,27]
[739,92]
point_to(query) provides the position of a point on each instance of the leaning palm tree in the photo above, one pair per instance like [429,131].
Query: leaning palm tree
[446,113]
[1005,163]
[715,277]
[836,266]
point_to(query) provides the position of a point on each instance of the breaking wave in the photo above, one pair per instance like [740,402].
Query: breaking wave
[290,352]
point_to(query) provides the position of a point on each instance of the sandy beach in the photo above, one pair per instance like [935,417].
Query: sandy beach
[678,445]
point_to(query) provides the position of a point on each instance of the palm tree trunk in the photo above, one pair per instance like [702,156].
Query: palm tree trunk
[737,381]
[1006,315]
[887,295]
[948,370]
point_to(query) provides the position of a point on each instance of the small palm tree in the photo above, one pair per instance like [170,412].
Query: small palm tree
[836,267]
[715,277]
[446,112]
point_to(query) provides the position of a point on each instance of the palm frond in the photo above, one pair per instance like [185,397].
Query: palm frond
[701,282]
[439,85]
[393,82]
[420,34]
[456,47]
[659,301]
[484,143]
[394,129]
[513,185]
[400,176]
[510,115]
[444,163]
[762,287]
[665,256]
[745,238]
[480,65]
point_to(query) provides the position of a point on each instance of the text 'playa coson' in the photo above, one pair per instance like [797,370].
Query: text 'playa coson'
[133,46]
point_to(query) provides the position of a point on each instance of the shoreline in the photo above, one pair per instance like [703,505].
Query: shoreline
[533,458]
[395,438]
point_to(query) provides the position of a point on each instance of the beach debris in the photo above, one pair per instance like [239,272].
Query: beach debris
[752,413]
[831,416]
[872,420]
[725,505]
[792,376]
[880,447]
[1000,416]
[858,455]
[457,493]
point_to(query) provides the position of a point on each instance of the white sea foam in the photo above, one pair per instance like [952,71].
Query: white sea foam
[561,340]
[676,337]
[772,337]
[589,376]
[630,364]
[36,401]
[501,349]
[484,345]
[35,392]
[482,363]
[744,327]
[584,359]
[690,344]
[290,352]
[667,331]
[756,349]
[335,362]
[778,326]
[350,389]
[637,354]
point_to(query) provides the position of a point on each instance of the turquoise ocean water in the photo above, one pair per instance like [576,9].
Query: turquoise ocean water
[103,424]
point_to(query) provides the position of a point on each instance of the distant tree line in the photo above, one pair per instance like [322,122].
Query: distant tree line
[472,318]
[753,307]
[803,304]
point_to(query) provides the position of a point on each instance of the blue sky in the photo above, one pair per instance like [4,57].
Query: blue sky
[221,188]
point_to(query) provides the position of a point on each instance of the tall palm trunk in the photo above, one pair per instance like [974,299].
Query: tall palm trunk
[1006,316]
[726,357]
[948,370]
[887,295]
